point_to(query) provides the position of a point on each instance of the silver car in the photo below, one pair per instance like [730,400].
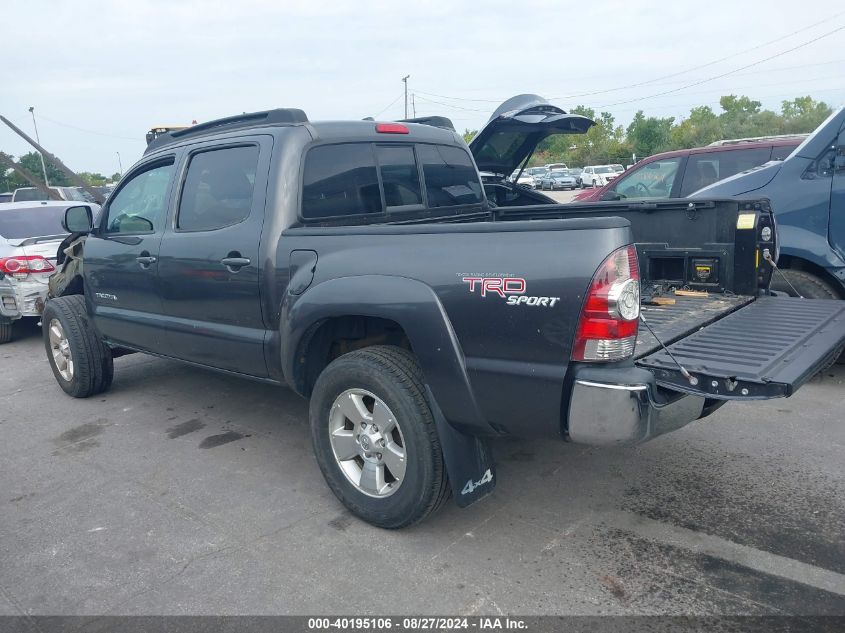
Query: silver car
[30,235]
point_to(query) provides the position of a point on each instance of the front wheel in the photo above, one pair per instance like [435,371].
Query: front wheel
[81,362]
[5,332]
[375,439]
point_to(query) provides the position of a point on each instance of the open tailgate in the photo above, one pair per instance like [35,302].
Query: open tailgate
[767,349]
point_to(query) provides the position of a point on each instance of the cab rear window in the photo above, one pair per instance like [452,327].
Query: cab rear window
[371,179]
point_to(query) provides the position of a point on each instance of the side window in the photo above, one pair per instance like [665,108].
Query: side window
[823,166]
[399,176]
[450,176]
[218,188]
[651,180]
[140,206]
[340,180]
[705,169]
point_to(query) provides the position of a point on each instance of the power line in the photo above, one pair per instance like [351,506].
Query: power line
[708,64]
[726,74]
[383,110]
[79,129]
[449,105]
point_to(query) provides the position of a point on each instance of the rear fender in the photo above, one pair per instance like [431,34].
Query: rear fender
[417,309]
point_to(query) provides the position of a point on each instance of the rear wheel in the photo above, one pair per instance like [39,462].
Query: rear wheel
[808,286]
[5,332]
[81,362]
[375,439]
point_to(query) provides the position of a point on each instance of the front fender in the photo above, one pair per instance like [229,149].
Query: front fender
[408,302]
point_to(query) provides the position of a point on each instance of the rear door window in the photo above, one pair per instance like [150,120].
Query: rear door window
[218,188]
[450,176]
[340,180]
[709,167]
[399,176]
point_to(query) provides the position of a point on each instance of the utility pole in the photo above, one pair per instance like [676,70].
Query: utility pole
[405,81]
[43,165]
[119,163]
[413,106]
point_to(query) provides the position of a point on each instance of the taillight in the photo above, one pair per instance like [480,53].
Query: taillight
[19,267]
[607,329]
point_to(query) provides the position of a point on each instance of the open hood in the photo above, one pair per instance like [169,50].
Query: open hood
[516,128]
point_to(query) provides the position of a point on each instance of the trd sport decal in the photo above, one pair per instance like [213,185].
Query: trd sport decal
[512,289]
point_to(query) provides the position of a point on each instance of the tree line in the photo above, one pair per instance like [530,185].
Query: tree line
[740,117]
[10,180]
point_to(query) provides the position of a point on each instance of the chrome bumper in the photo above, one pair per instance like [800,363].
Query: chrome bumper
[604,413]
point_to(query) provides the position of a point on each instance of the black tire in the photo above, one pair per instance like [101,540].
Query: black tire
[5,332]
[810,287]
[393,375]
[807,284]
[93,366]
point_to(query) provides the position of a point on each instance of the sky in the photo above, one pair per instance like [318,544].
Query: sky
[100,73]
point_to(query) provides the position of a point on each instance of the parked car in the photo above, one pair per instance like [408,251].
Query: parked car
[576,171]
[617,168]
[34,194]
[526,180]
[555,166]
[560,179]
[678,173]
[6,197]
[807,191]
[597,175]
[364,267]
[29,238]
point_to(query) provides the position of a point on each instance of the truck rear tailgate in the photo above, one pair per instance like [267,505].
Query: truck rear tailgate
[767,349]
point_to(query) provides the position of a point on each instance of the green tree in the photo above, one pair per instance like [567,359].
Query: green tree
[32,162]
[701,127]
[649,135]
[93,179]
[469,134]
[803,114]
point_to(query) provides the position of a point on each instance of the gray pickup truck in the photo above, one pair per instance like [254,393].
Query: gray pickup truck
[367,266]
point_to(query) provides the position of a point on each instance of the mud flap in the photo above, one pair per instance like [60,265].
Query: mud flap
[469,460]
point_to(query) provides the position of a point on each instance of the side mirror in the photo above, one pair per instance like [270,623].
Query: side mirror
[78,219]
[609,196]
[840,142]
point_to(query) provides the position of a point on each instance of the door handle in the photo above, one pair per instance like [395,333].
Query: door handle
[235,263]
[145,259]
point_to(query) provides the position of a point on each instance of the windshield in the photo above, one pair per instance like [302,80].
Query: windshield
[604,169]
[32,222]
[618,168]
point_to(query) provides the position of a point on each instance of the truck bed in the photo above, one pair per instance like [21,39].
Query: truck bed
[688,314]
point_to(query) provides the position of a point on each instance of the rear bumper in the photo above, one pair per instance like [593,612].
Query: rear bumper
[623,406]
[21,299]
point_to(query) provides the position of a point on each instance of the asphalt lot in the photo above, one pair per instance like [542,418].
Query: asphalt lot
[185,492]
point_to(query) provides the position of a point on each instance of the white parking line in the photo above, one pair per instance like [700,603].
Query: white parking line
[749,557]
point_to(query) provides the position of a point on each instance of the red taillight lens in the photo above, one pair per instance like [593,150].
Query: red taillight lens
[391,128]
[22,265]
[607,329]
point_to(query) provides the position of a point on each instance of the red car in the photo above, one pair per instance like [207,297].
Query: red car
[677,174]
